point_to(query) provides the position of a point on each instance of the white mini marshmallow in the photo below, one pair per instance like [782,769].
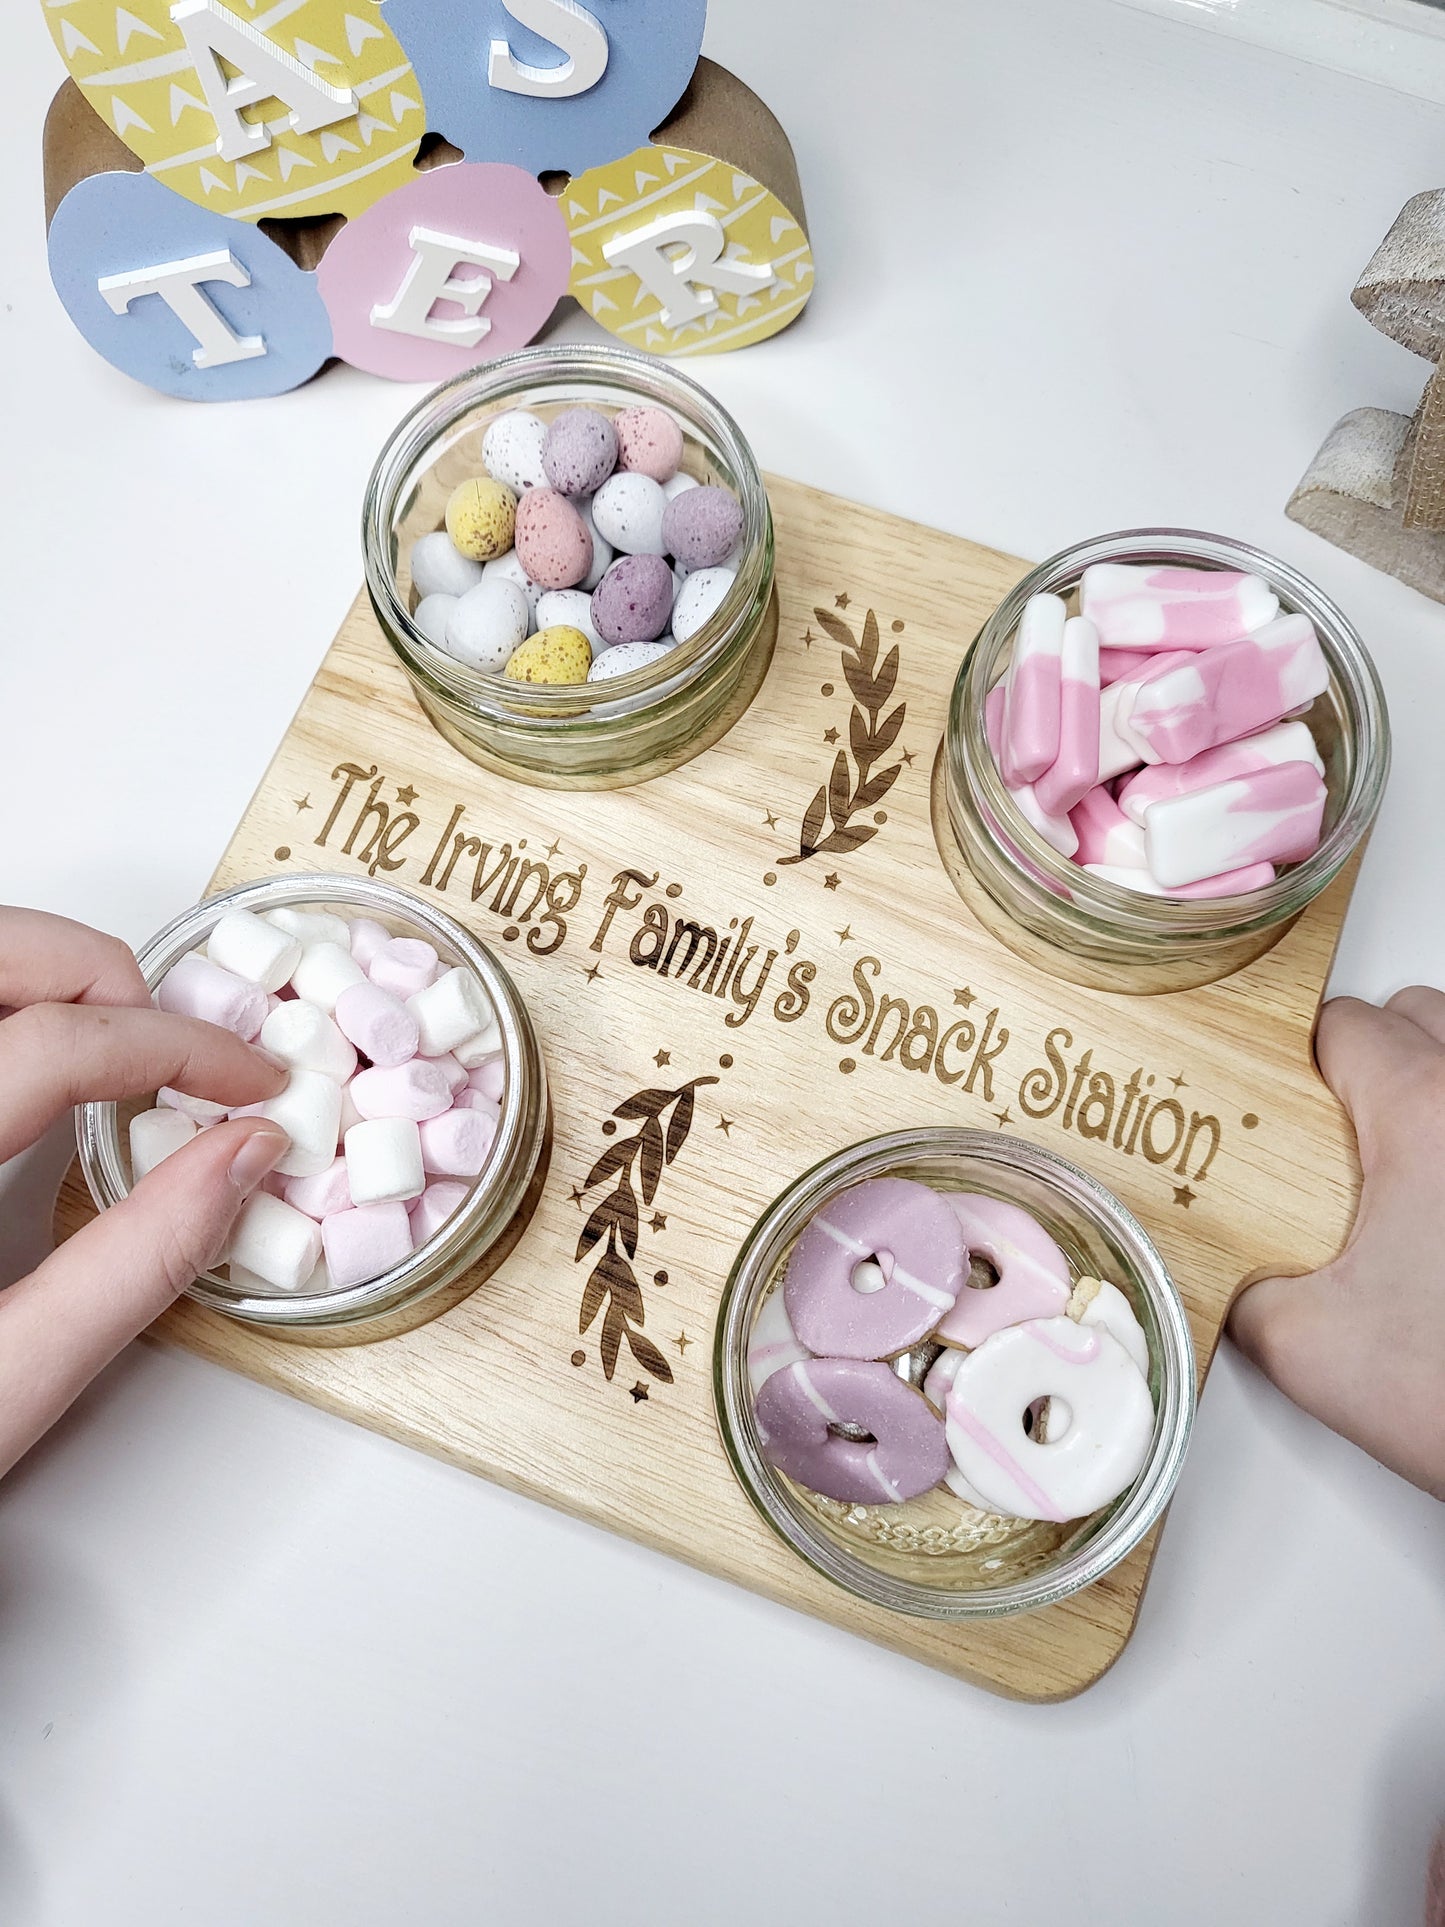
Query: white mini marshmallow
[308,1040]
[325,970]
[383,1161]
[474,1051]
[310,926]
[256,1286]
[200,1110]
[254,949]
[309,1111]
[275,1242]
[367,937]
[154,1135]
[449,1012]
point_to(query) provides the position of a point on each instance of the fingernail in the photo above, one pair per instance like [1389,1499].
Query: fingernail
[262,1152]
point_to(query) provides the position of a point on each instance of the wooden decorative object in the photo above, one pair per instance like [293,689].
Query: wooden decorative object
[860,995]
[437,245]
[1377,485]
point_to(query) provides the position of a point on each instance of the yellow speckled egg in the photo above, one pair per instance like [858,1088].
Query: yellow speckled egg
[482,518]
[559,655]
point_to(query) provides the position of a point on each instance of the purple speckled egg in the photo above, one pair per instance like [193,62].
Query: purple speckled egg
[553,543]
[701,527]
[580,451]
[633,601]
[649,442]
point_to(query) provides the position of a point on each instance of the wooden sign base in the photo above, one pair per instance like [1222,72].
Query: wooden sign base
[682,934]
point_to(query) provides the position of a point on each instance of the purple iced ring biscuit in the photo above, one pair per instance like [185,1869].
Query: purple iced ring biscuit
[1034,1280]
[633,601]
[908,1454]
[875,1270]
[580,451]
[702,527]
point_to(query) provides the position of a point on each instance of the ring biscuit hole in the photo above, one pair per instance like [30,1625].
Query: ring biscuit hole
[982,1275]
[872,1274]
[854,1434]
[1047,1419]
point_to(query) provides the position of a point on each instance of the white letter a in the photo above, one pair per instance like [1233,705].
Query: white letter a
[213,34]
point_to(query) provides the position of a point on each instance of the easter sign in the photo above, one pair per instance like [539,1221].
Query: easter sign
[433,177]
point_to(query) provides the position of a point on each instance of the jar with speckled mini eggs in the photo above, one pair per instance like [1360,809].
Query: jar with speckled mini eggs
[577,735]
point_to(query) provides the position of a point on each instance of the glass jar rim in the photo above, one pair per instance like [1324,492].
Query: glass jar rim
[762,1250]
[506,380]
[497,1190]
[971,768]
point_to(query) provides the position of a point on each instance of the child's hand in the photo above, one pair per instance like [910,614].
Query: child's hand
[85,1028]
[1361,1344]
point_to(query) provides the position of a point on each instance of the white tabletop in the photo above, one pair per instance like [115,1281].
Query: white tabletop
[1080,266]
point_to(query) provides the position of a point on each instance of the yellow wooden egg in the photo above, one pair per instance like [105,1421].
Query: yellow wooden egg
[482,518]
[310,107]
[560,655]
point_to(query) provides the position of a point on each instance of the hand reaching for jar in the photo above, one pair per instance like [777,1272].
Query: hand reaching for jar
[1361,1344]
[78,1024]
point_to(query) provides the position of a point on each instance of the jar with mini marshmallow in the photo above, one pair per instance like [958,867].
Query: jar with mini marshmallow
[393,1018]
[1080,913]
[954,1443]
[540,716]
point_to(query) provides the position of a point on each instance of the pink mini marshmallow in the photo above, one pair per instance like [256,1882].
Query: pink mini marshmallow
[436,1205]
[1031,708]
[1284,743]
[416,1090]
[379,1024]
[471,1099]
[1225,693]
[196,987]
[1075,770]
[1271,816]
[1168,607]
[451,1070]
[456,1144]
[320,1197]
[362,1243]
[367,937]
[1106,836]
[490,1078]
[200,1110]
[404,965]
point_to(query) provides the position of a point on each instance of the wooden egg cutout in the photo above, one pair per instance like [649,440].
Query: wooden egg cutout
[695,243]
[549,85]
[310,108]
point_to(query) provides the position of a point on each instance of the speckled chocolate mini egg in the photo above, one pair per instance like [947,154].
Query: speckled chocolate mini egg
[649,442]
[627,511]
[512,450]
[699,599]
[481,515]
[560,655]
[553,543]
[626,657]
[580,451]
[701,527]
[633,601]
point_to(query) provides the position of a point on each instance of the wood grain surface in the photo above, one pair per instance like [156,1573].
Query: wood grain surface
[1230,1150]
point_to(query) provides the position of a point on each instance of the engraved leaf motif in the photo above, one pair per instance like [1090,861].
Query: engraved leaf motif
[594,1229]
[648,1356]
[627,1295]
[859,681]
[644,1104]
[868,646]
[840,842]
[877,787]
[651,1159]
[858,739]
[839,794]
[613,1326]
[680,1123]
[813,821]
[612,1159]
[886,680]
[593,1297]
[887,732]
[837,629]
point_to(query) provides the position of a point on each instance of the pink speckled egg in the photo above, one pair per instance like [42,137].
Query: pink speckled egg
[633,601]
[553,543]
[649,442]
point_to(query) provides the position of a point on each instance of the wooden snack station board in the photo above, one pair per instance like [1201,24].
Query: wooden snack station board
[1200,1109]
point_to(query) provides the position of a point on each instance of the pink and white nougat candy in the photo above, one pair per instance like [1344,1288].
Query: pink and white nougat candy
[1118,750]
[1233,883]
[1228,692]
[1164,607]
[1271,816]
[1117,665]
[1032,691]
[1075,770]
[1284,743]
[1055,830]
[1106,836]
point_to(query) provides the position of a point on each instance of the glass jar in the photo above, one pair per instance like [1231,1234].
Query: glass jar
[474,1241]
[587,735]
[1084,928]
[937,1557]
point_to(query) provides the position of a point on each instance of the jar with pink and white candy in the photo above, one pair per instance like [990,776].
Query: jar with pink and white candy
[1161,747]
[571,553]
[416,1104]
[907,1344]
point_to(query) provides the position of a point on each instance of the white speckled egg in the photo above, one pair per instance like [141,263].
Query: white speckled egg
[488,624]
[627,511]
[510,570]
[603,552]
[699,599]
[438,566]
[431,616]
[624,656]
[569,609]
[680,484]
[512,450]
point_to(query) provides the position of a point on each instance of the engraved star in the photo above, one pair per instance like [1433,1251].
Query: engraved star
[662,1057]
[682,1341]
[1177,1082]
[1183,1195]
[638,1393]
[831,881]
[593,974]
[577,1196]
[1004,1117]
[807,638]
[830,735]
[551,851]
[770,822]
[964,998]
[907,756]
[840,602]
[845,935]
[658,1222]
[725,1125]
[406,797]
[303,802]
